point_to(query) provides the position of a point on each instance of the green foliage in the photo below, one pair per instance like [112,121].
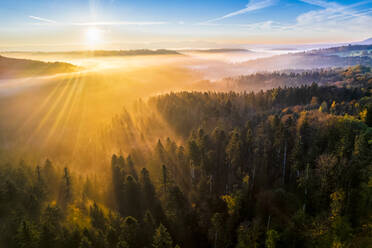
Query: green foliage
[162,239]
[248,236]
[272,237]
[85,243]
[27,235]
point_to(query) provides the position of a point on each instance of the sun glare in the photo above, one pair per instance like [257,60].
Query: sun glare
[93,37]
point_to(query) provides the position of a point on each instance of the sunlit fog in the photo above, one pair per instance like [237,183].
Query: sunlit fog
[185,124]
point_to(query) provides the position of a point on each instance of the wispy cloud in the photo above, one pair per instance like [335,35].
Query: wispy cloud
[116,23]
[44,21]
[251,6]
[320,3]
[332,18]
[262,26]
[338,8]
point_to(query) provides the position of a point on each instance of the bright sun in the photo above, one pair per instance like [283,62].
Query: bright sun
[93,37]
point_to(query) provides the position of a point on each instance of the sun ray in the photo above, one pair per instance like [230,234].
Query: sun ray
[82,109]
[61,114]
[52,109]
[38,110]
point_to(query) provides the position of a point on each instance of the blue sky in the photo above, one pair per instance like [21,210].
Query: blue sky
[56,25]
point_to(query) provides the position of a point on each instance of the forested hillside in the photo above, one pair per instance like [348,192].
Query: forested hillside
[15,68]
[322,58]
[344,49]
[286,167]
[354,76]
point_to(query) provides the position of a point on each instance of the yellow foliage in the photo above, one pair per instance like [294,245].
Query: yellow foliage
[337,244]
[77,217]
[246,179]
[337,199]
[230,202]
[363,114]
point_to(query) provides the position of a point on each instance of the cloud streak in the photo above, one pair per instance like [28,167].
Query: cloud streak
[44,21]
[251,6]
[116,23]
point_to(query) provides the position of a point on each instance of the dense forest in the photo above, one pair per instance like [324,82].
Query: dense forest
[341,49]
[286,167]
[218,50]
[352,76]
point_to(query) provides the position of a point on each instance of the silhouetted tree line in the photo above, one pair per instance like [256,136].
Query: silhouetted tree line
[294,78]
[323,58]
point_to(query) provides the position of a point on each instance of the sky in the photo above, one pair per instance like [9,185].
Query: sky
[131,24]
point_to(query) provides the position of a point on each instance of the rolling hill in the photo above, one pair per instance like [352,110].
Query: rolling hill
[321,58]
[14,68]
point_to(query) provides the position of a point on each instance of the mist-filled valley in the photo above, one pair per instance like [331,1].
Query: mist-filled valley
[187,148]
[58,112]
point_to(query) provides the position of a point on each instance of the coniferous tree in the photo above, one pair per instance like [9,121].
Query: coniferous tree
[66,191]
[161,238]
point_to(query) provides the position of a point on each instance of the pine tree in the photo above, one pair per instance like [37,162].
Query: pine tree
[117,174]
[162,238]
[50,177]
[130,232]
[97,217]
[148,228]
[132,198]
[132,169]
[160,152]
[66,193]
[271,238]
[27,236]
[148,190]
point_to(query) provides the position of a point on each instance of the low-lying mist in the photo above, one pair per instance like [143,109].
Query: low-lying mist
[56,116]
[212,65]
[62,116]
